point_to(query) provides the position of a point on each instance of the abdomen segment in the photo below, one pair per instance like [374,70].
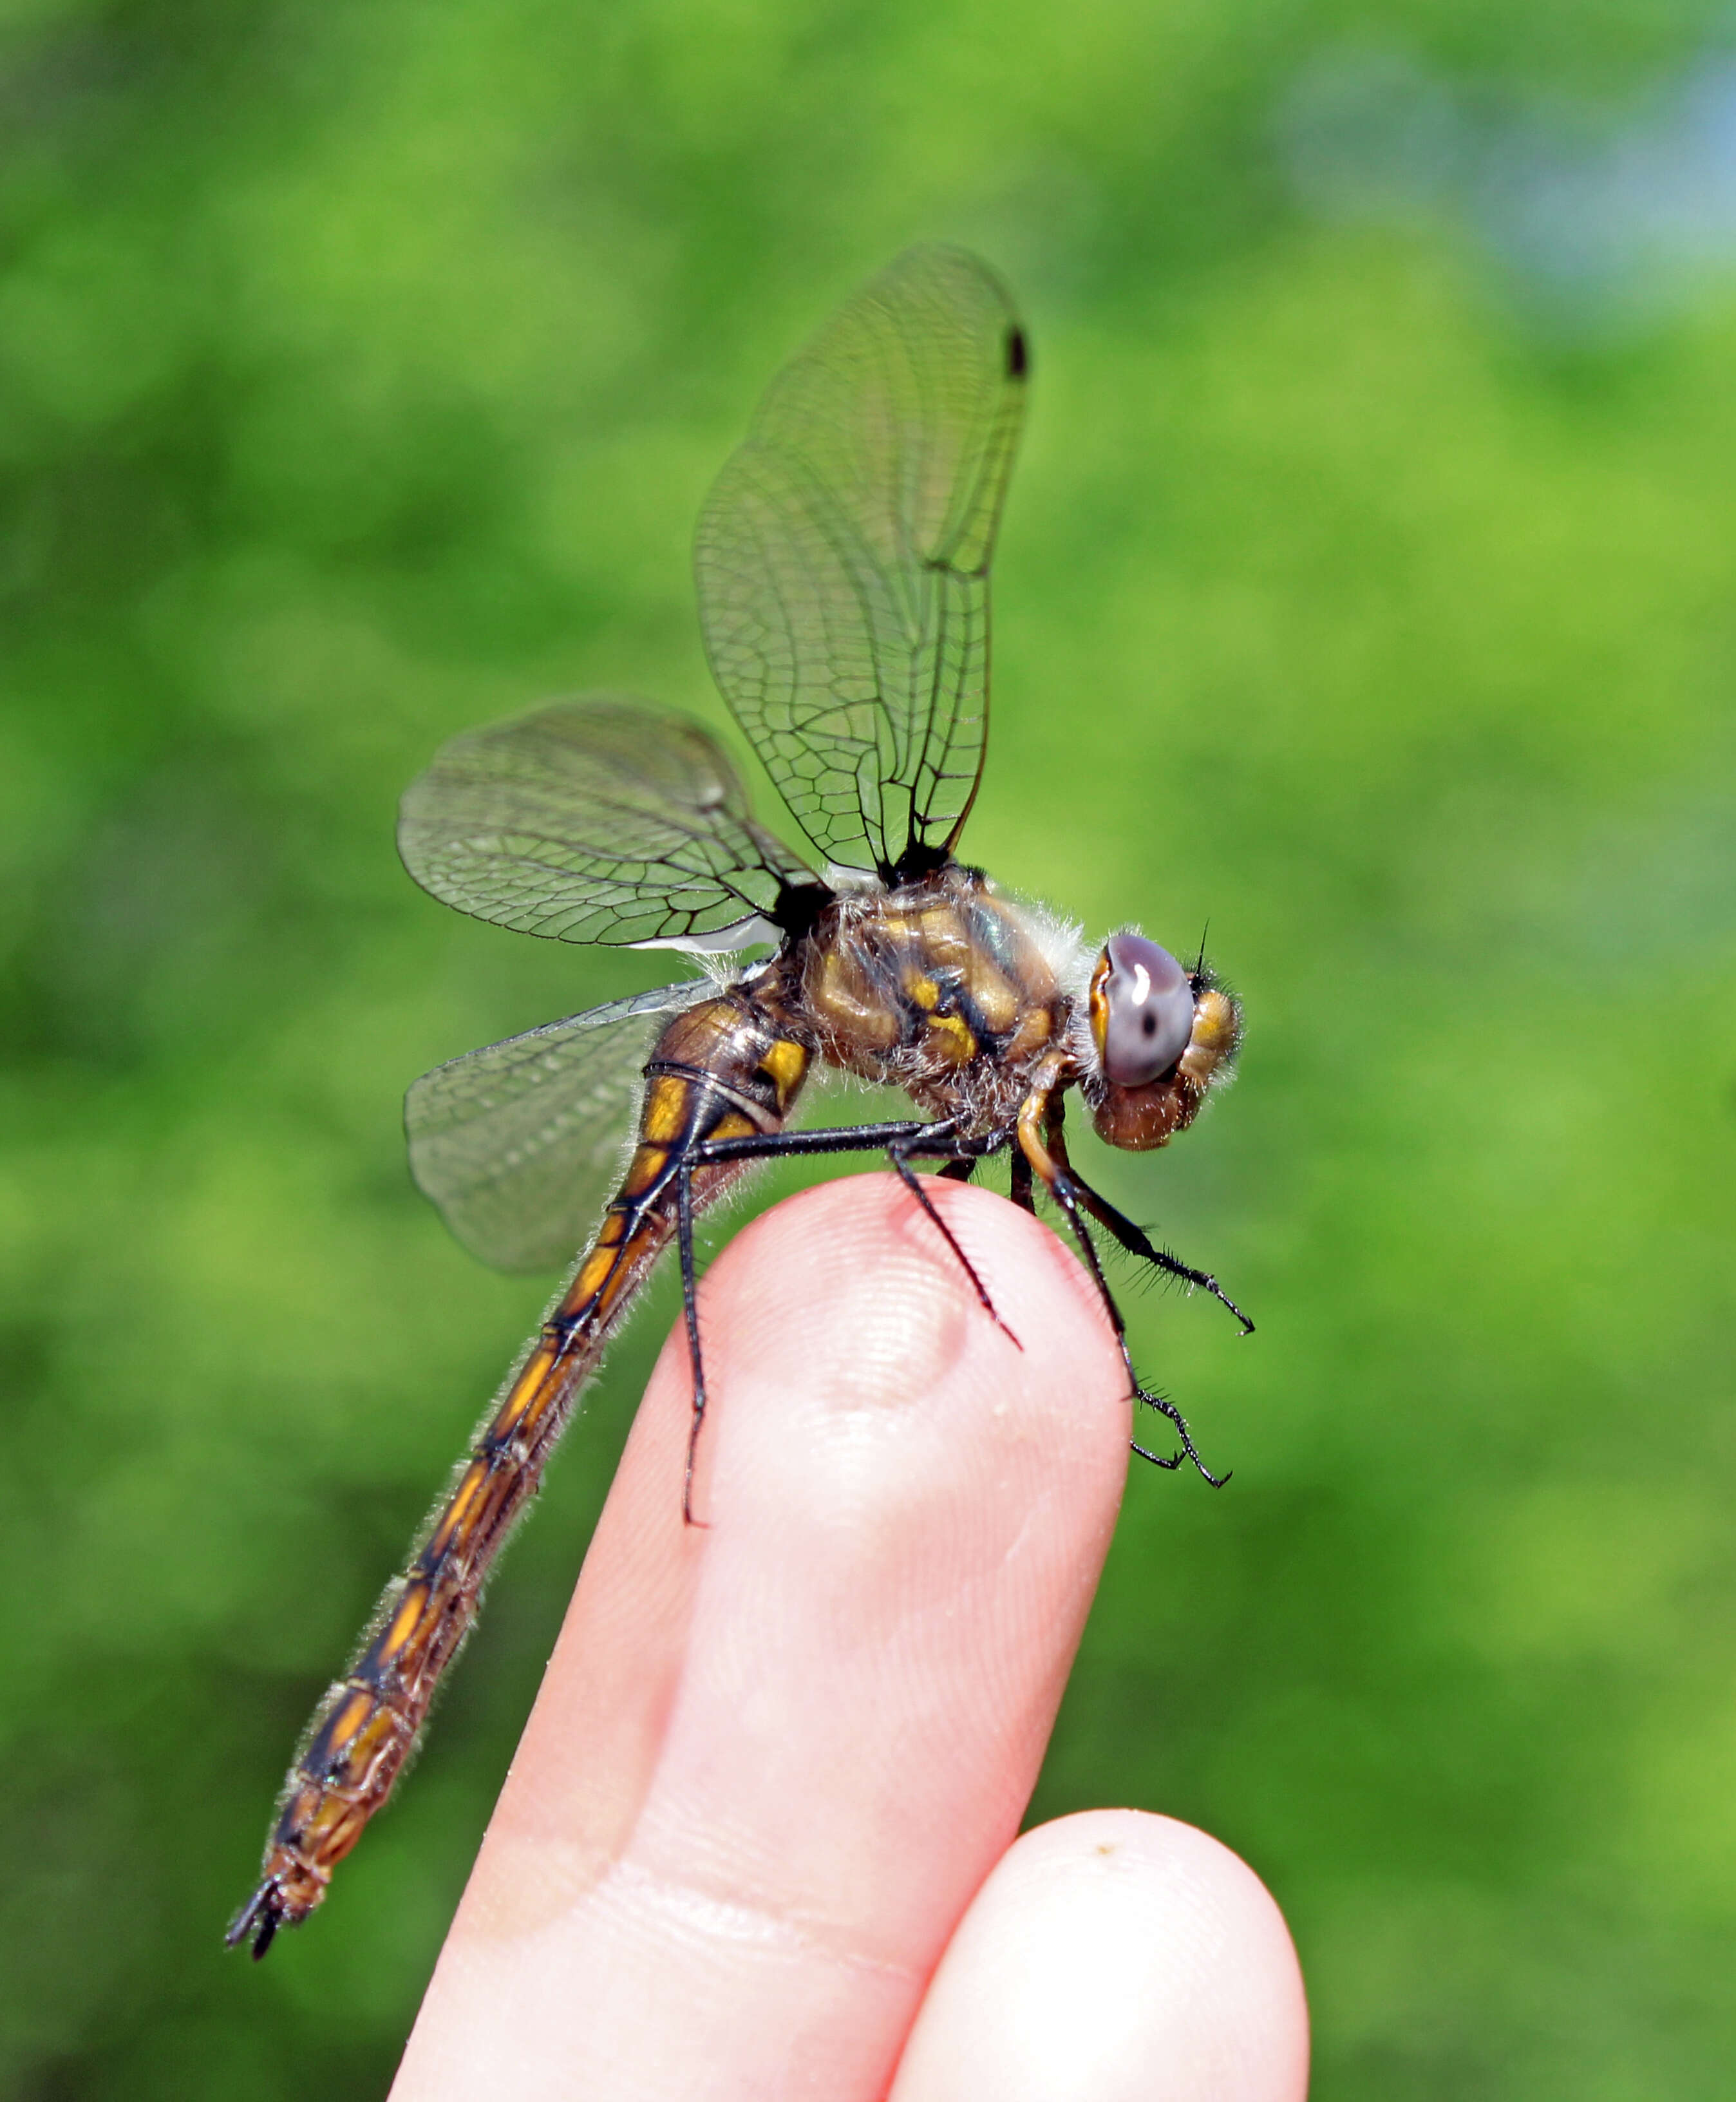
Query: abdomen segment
[732,1074]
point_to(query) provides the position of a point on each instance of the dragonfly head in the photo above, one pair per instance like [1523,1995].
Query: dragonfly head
[1163,1035]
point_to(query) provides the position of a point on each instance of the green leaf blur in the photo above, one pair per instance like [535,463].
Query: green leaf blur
[361,371]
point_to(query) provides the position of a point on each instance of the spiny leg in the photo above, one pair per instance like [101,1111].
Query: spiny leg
[690,1309]
[1064,1190]
[1136,1241]
[1023,1191]
[935,1137]
[912,1181]
[901,1141]
[916,1139]
[1164,1406]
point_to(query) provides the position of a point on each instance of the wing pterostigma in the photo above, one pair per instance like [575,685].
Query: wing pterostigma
[842,561]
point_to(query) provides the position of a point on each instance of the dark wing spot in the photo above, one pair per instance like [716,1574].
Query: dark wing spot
[1018,356]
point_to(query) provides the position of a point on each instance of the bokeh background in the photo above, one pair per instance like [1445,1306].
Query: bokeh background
[1369,589]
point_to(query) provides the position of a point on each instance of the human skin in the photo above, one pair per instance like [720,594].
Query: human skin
[761,1837]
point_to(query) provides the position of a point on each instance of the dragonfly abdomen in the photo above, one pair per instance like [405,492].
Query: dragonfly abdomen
[721,1069]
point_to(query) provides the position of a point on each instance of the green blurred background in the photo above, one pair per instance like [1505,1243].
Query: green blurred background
[1369,588]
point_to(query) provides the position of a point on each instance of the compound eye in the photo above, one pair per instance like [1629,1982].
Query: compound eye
[1141,1010]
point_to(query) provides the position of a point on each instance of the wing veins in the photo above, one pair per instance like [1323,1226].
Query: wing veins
[843,559]
[595,819]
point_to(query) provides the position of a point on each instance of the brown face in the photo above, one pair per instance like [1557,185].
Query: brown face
[1163,1035]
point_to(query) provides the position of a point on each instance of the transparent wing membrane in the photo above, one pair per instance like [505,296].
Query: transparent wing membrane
[599,819]
[520,1145]
[843,561]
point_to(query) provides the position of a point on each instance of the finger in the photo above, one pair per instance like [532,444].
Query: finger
[1113,1956]
[775,1757]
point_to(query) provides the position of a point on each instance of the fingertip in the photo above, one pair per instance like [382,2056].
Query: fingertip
[774,1755]
[909,1514]
[1114,1954]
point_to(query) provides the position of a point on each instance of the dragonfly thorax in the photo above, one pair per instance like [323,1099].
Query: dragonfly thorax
[942,988]
[843,562]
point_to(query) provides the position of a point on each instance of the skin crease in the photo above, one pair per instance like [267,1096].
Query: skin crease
[780,1757]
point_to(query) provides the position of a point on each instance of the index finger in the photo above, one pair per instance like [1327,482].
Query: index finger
[776,1755]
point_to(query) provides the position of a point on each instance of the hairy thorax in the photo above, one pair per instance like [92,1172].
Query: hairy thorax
[942,987]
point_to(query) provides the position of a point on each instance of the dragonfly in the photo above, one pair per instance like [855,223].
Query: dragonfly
[843,562]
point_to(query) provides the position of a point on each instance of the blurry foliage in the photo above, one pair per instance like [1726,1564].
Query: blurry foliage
[360,372]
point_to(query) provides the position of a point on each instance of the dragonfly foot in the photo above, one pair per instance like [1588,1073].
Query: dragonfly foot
[1164,1406]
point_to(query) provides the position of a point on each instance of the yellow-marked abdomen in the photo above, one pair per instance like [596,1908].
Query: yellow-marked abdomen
[721,1069]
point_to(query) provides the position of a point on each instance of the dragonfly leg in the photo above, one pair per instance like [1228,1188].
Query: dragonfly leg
[1023,1191]
[1065,1189]
[1164,1406]
[690,1309]
[707,1153]
[902,1143]
[1041,1142]
[1137,1242]
[921,1139]
[899,1159]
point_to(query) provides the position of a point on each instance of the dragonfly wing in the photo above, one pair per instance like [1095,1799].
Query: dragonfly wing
[843,561]
[520,1145]
[598,820]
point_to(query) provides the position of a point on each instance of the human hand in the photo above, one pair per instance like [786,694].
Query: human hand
[760,1837]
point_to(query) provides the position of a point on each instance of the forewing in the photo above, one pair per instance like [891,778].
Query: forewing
[599,819]
[843,561]
[520,1145]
